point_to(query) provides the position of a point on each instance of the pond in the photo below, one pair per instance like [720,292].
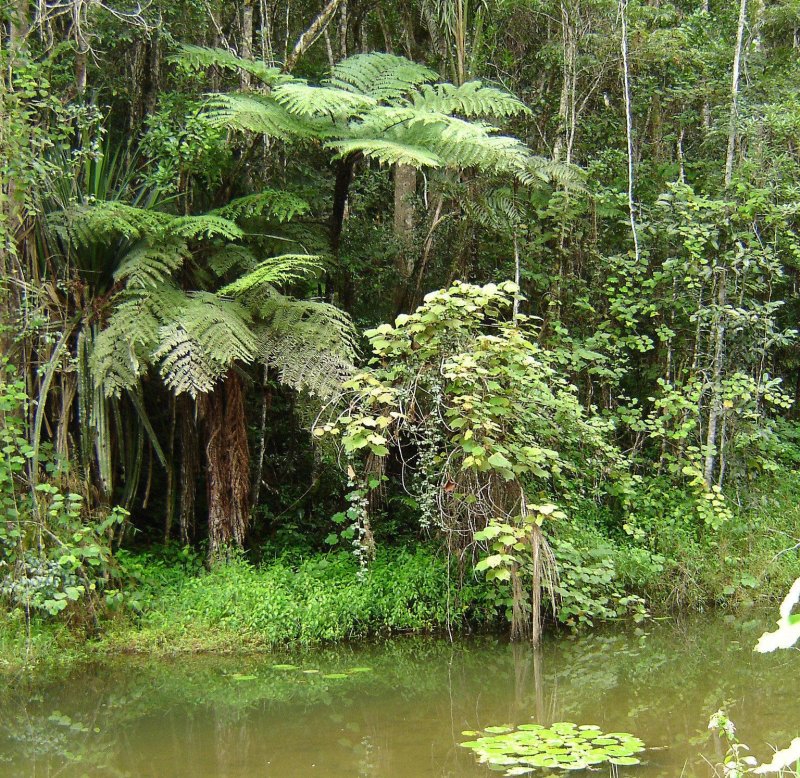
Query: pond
[397,709]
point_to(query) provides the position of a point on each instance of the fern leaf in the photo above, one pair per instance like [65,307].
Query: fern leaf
[470,99]
[284,269]
[123,350]
[311,344]
[379,75]
[303,100]
[256,113]
[229,257]
[147,265]
[205,226]
[201,342]
[199,58]
[83,225]
[278,205]
[387,152]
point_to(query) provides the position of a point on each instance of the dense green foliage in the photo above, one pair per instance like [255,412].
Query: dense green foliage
[256,293]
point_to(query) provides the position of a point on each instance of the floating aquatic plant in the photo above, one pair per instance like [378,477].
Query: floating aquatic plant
[561,746]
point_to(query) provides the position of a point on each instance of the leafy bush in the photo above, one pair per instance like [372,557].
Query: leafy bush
[53,552]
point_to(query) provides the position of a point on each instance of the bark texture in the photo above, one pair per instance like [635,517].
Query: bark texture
[227,462]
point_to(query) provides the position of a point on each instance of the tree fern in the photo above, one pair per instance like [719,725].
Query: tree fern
[273,203]
[469,99]
[275,271]
[198,58]
[205,337]
[147,265]
[381,76]
[388,108]
[258,113]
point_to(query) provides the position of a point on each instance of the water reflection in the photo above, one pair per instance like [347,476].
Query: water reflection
[397,710]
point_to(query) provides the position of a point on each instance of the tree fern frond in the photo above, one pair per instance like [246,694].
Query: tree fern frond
[311,344]
[387,152]
[284,269]
[256,113]
[201,342]
[123,350]
[198,58]
[274,203]
[379,75]
[148,265]
[232,256]
[469,99]
[185,367]
[537,169]
[303,100]
[207,225]
[82,225]
[496,209]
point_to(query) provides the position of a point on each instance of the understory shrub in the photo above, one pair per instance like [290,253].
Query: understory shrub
[322,598]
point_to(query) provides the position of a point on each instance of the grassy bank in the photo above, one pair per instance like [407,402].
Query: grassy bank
[173,604]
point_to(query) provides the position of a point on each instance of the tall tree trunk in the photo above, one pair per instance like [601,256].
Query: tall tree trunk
[405,187]
[314,30]
[227,466]
[737,65]
[189,468]
[623,12]
[246,44]
[715,409]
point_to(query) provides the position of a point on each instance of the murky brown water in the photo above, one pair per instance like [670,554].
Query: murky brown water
[402,717]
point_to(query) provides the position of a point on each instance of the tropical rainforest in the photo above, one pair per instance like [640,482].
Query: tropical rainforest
[333,319]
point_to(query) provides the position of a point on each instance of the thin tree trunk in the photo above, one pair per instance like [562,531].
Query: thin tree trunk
[623,11]
[536,586]
[189,469]
[737,64]
[564,101]
[307,39]
[246,44]
[266,402]
[715,409]
[405,187]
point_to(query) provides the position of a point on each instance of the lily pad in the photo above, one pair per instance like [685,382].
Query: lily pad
[561,746]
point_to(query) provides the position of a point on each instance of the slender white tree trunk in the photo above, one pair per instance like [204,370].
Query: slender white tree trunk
[737,66]
[623,13]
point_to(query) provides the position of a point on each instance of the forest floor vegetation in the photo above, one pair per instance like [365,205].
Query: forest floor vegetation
[174,604]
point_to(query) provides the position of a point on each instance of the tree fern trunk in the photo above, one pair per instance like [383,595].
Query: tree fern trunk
[228,468]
